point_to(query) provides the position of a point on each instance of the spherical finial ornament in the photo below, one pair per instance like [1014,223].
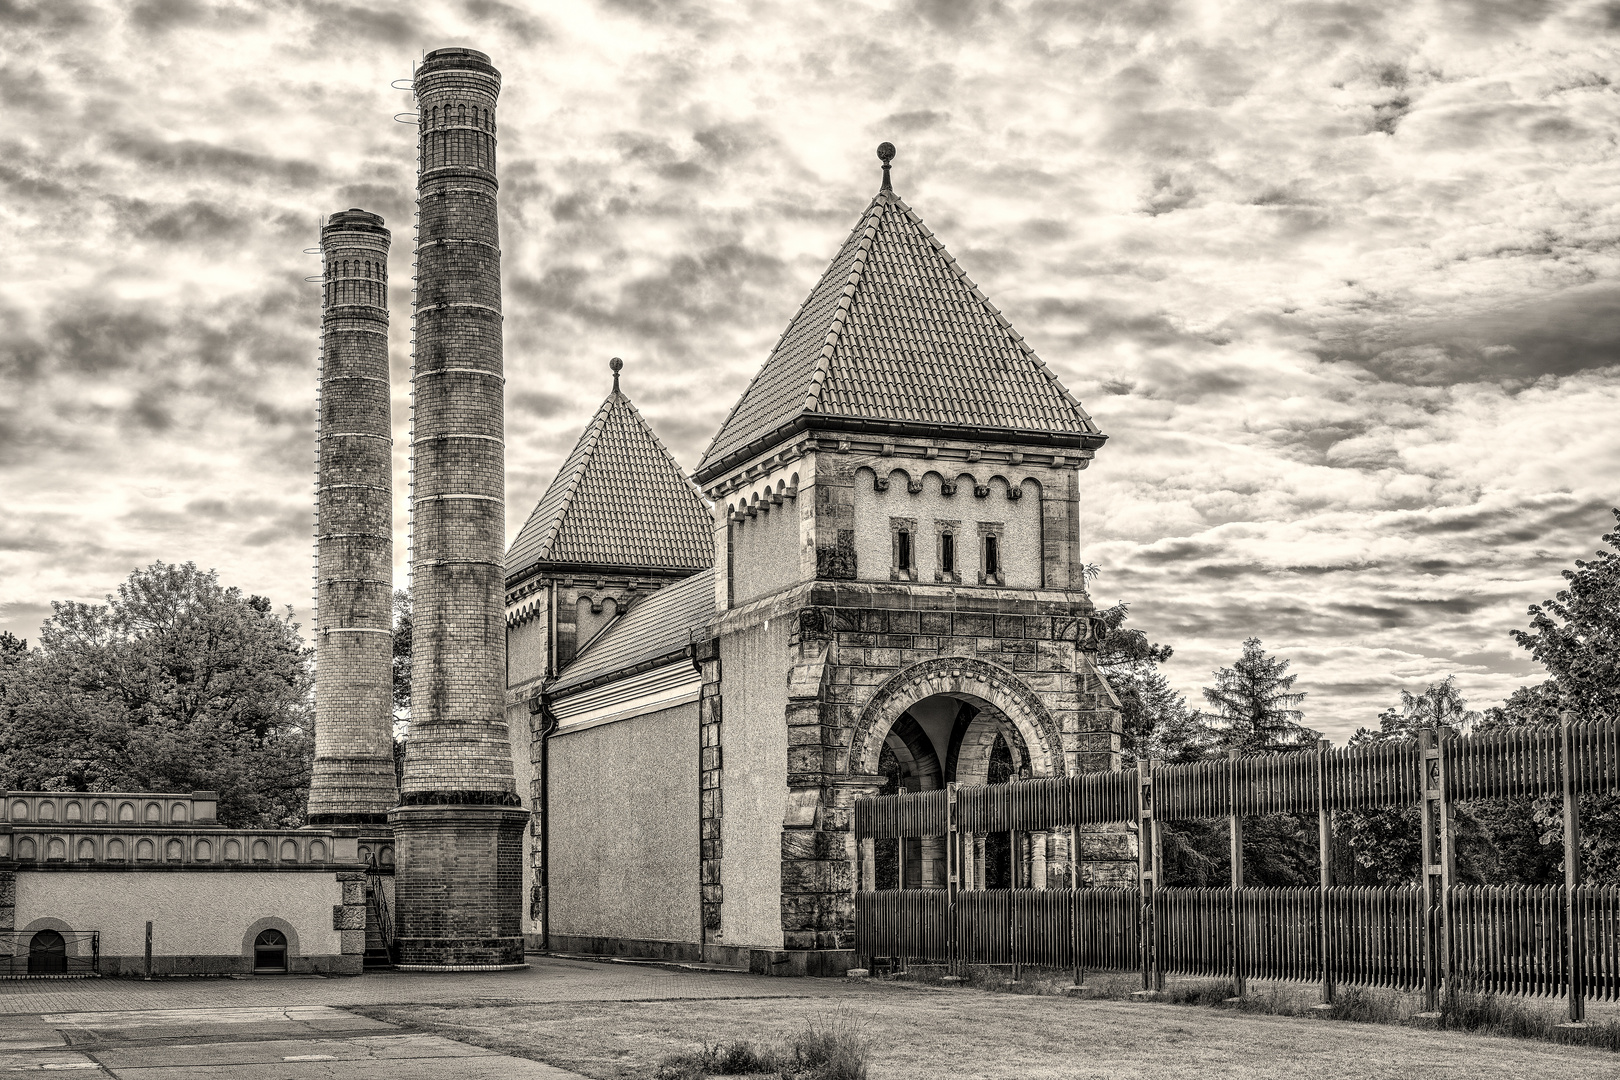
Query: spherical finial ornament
[615,365]
[886,152]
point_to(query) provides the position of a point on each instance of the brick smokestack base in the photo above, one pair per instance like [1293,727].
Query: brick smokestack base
[353,781]
[460,903]
[458,828]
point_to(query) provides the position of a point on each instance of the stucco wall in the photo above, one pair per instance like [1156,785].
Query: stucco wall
[519,729]
[1020,520]
[765,553]
[624,829]
[193,914]
[526,650]
[753,671]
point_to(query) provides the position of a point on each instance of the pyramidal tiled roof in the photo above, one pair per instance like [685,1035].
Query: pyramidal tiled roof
[895,330]
[620,500]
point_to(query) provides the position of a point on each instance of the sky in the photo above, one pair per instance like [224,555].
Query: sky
[1341,281]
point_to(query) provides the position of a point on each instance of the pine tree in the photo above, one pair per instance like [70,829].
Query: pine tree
[1255,706]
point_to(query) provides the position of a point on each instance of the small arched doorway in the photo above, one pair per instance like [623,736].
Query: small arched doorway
[270,952]
[47,953]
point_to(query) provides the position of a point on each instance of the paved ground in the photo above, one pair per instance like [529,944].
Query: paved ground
[617,1020]
[296,1028]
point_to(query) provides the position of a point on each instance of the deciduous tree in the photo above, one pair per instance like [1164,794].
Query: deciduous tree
[175,683]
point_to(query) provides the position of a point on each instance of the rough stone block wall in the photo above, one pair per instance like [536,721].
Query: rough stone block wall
[862,656]
[353,777]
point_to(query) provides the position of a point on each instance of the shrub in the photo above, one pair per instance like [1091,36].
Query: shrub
[832,1047]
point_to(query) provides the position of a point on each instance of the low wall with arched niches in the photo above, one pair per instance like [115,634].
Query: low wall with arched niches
[200,918]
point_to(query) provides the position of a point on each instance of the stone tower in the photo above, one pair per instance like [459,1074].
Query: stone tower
[353,781]
[459,826]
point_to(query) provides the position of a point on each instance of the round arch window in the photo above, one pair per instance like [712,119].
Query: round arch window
[270,951]
[47,954]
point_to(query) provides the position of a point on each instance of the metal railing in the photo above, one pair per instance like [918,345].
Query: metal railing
[50,952]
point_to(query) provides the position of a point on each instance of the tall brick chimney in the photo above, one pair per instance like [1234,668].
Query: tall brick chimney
[459,826]
[353,783]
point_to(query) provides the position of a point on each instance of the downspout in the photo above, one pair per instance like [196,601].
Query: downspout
[548,725]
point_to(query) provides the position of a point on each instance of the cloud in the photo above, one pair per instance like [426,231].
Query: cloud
[1338,280]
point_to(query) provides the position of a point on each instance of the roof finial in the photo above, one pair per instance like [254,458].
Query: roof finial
[616,365]
[886,155]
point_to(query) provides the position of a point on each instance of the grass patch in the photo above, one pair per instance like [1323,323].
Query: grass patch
[831,1047]
[1483,1014]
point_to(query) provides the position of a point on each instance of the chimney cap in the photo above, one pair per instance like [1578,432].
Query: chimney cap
[355,219]
[456,59]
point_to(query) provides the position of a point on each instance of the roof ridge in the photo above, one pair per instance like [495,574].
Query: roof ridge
[867,226]
[991,309]
[586,448]
[770,353]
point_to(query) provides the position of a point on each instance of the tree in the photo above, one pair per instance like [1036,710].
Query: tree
[1576,636]
[1255,706]
[1440,704]
[1155,721]
[175,683]
[402,654]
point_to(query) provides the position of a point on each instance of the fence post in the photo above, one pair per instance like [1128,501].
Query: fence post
[148,950]
[1439,864]
[1576,942]
[1148,856]
[1234,824]
[1324,848]
[953,876]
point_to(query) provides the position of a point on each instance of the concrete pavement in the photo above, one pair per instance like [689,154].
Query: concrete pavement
[297,1027]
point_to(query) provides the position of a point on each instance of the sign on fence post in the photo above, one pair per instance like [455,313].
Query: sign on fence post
[1572,879]
[1234,831]
[1147,873]
[1324,849]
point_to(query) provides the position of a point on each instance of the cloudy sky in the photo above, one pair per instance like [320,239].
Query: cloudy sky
[1340,280]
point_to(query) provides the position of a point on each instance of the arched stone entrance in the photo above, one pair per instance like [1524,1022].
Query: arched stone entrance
[968,707]
[990,688]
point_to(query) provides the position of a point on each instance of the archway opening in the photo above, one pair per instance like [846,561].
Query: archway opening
[47,954]
[270,952]
[908,762]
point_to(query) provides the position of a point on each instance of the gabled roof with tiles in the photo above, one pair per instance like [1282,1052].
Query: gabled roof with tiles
[620,501]
[656,626]
[896,332]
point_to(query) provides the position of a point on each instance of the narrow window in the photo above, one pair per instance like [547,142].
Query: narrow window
[992,555]
[904,554]
[947,553]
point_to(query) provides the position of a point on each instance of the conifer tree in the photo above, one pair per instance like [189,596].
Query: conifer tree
[1255,708]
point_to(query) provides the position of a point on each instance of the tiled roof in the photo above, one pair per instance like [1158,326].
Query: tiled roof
[896,330]
[620,500]
[655,626]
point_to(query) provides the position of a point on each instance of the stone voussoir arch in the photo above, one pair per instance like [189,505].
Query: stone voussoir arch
[966,677]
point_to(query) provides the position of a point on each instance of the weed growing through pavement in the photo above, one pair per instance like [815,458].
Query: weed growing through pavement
[829,1047]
